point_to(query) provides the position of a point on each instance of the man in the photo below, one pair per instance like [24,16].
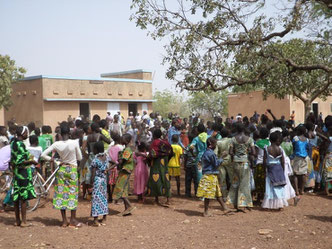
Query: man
[109,118]
[138,118]
[116,126]
[292,118]
[145,115]
[121,118]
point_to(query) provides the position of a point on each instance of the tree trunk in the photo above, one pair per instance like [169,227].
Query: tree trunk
[307,109]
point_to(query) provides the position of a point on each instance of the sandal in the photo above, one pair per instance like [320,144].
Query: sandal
[78,225]
[296,200]
[25,225]
[128,211]
[64,225]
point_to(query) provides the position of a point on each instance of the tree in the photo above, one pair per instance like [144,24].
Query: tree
[208,102]
[217,44]
[304,85]
[167,101]
[9,73]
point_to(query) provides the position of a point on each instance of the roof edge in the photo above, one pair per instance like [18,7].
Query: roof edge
[82,78]
[126,72]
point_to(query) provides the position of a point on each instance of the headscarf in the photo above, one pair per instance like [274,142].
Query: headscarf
[160,148]
[24,130]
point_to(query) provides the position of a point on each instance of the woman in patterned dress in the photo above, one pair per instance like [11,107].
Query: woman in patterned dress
[21,161]
[66,181]
[160,152]
[126,167]
[99,206]
[240,147]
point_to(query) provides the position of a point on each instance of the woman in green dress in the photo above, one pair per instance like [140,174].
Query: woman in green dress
[21,162]
[125,167]
[241,147]
[160,152]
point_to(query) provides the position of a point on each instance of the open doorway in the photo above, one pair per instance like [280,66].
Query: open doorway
[132,107]
[315,110]
[85,110]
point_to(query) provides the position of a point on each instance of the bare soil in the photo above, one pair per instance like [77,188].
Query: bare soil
[182,225]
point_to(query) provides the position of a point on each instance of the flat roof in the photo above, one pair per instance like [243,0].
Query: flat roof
[101,100]
[83,78]
[126,72]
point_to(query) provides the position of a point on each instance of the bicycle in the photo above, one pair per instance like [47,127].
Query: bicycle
[6,180]
[42,186]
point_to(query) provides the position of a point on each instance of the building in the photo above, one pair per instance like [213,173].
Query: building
[248,103]
[51,99]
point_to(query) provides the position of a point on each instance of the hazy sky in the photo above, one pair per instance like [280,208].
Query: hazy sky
[81,38]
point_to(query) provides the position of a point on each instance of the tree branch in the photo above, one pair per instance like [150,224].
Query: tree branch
[320,91]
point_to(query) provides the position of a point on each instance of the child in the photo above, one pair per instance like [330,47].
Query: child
[184,138]
[114,155]
[48,138]
[125,166]
[209,185]
[174,162]
[300,165]
[226,169]
[141,171]
[104,130]
[99,205]
[287,148]
[190,167]
[275,180]
[260,169]
[35,150]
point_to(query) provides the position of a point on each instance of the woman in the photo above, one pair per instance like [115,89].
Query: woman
[21,161]
[66,187]
[93,137]
[126,167]
[241,147]
[160,152]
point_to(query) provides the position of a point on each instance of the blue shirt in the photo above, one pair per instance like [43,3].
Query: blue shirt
[173,131]
[210,162]
[200,147]
[301,148]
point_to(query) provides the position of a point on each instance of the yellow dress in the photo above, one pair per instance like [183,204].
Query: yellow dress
[174,163]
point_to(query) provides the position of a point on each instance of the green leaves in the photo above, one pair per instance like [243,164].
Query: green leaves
[8,74]
[220,44]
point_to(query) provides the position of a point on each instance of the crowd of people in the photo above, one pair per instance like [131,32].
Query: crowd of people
[239,162]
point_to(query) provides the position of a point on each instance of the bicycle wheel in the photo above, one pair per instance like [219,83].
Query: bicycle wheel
[39,189]
[5,181]
[3,184]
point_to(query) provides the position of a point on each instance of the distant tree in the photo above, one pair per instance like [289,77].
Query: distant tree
[167,101]
[208,102]
[9,73]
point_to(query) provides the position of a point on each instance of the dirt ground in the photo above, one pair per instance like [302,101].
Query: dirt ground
[182,225]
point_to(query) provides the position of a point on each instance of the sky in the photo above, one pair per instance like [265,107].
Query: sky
[78,38]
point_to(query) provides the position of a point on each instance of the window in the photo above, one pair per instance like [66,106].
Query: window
[113,108]
[144,107]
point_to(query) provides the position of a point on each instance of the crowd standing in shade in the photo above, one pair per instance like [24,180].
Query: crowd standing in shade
[241,162]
